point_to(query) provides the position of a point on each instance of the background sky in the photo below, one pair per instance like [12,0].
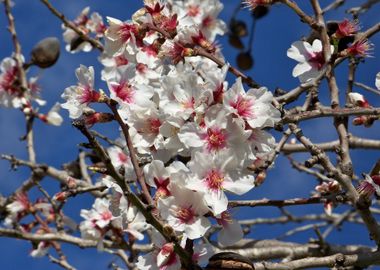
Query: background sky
[56,145]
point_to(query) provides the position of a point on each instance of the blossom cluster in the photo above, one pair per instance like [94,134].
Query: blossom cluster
[201,134]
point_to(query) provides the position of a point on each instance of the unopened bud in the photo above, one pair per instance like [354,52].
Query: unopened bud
[60,196]
[260,178]
[91,119]
[45,53]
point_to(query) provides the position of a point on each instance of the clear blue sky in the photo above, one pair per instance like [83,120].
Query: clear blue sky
[55,146]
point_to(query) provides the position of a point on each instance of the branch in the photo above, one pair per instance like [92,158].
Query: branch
[344,180]
[95,43]
[328,112]
[281,203]
[355,142]
[340,260]
[132,152]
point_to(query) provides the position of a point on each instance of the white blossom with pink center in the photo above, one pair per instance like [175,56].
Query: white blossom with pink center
[134,223]
[79,96]
[96,219]
[184,94]
[231,231]
[73,40]
[310,58]
[21,203]
[126,91]
[11,94]
[96,24]
[217,133]
[184,211]
[253,106]
[163,257]
[145,129]
[214,174]
[121,158]
[117,35]
[202,14]
[161,177]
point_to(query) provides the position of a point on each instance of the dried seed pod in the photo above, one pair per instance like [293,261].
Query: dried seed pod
[229,261]
[45,53]
[260,11]
[245,60]
[238,28]
[235,42]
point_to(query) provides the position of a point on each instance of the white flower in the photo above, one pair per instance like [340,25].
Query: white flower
[53,117]
[231,231]
[118,35]
[96,219]
[310,58]
[73,40]
[253,106]
[378,80]
[214,174]
[124,90]
[357,99]
[184,212]
[41,250]
[163,257]
[79,96]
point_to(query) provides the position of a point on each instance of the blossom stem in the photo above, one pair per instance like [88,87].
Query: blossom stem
[133,155]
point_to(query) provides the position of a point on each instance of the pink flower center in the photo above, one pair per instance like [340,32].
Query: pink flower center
[124,91]
[8,81]
[360,48]
[167,250]
[106,216]
[193,10]
[216,139]
[123,158]
[162,186]
[207,22]
[154,125]
[141,68]
[214,180]
[185,215]
[189,104]
[346,28]
[88,95]
[125,31]
[225,219]
[121,60]
[243,107]
[316,60]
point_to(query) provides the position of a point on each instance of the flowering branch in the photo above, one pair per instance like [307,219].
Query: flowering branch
[139,173]
[95,43]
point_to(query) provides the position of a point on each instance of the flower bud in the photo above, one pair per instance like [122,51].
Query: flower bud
[93,118]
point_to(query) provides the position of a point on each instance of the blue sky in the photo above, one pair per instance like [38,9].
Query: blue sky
[57,145]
